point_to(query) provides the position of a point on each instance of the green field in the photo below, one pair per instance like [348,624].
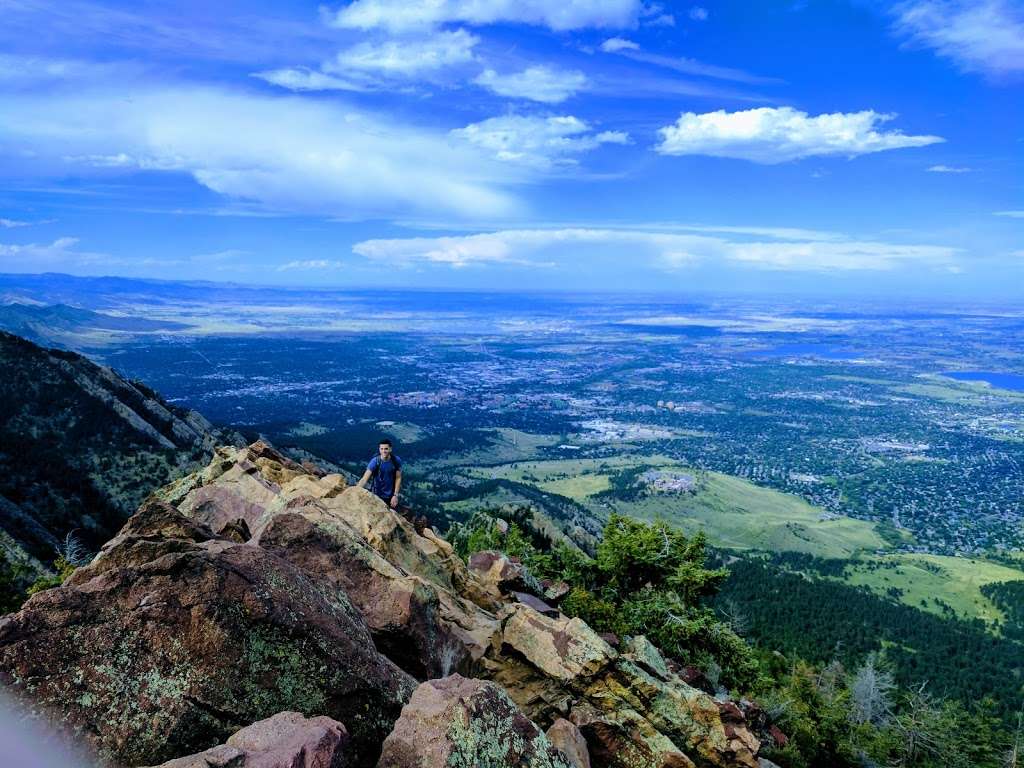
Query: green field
[733,512]
[955,581]
[737,514]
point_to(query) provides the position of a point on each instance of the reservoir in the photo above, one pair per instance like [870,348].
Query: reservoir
[1014,381]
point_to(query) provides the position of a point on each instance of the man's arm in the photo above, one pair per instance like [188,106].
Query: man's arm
[366,476]
[398,487]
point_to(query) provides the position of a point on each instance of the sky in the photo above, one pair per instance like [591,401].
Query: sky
[829,147]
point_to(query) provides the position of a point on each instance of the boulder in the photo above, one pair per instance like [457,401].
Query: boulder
[555,592]
[286,740]
[629,705]
[568,739]
[462,722]
[501,575]
[536,603]
[403,612]
[173,638]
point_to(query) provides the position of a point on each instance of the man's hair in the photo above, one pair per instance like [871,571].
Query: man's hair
[385,441]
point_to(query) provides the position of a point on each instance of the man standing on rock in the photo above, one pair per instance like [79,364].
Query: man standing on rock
[385,470]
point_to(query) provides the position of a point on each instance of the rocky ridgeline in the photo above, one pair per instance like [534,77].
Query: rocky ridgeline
[259,613]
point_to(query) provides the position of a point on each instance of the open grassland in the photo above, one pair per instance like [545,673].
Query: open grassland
[923,580]
[960,392]
[733,512]
[737,514]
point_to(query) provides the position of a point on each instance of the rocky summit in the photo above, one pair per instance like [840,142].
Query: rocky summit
[258,588]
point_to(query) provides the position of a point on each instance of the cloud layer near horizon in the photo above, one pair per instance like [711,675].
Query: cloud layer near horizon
[779,249]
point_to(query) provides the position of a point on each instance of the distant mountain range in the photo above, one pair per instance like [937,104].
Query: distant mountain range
[64,326]
[81,447]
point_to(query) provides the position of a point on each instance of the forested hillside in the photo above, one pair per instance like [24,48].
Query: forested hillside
[80,448]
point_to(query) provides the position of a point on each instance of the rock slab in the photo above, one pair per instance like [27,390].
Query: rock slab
[458,722]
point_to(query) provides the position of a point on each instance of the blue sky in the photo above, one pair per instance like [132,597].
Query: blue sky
[833,147]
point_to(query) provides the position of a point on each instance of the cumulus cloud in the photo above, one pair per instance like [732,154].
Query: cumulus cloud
[948,169]
[615,44]
[536,142]
[699,14]
[664,250]
[402,15]
[280,153]
[776,135]
[12,223]
[977,35]
[539,83]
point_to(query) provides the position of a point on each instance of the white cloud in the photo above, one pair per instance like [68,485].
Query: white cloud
[406,57]
[1010,214]
[279,153]
[539,83]
[978,35]
[699,14]
[614,44]
[684,65]
[948,169]
[660,250]
[401,15]
[777,135]
[12,223]
[309,265]
[304,79]
[381,65]
[536,142]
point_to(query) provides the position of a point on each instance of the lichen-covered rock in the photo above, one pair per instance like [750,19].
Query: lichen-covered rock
[568,739]
[632,709]
[426,612]
[286,740]
[565,649]
[461,723]
[403,612]
[173,638]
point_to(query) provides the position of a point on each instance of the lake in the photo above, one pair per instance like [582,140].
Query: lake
[1014,381]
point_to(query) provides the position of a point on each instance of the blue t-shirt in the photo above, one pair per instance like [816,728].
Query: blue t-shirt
[383,483]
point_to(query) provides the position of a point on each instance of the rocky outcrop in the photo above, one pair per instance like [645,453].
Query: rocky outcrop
[173,638]
[462,722]
[286,740]
[630,707]
[256,585]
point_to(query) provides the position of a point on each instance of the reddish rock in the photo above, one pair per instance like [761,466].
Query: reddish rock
[696,678]
[402,612]
[536,603]
[171,638]
[780,739]
[609,637]
[567,738]
[461,722]
[286,740]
